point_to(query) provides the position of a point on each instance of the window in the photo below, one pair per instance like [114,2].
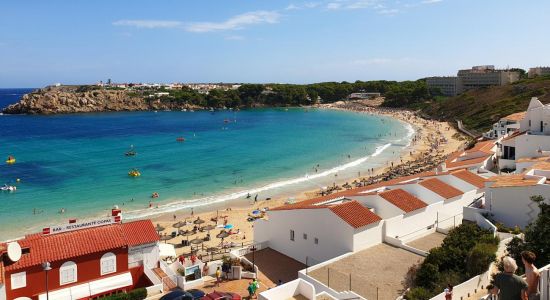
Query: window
[529,124]
[18,280]
[67,273]
[305,236]
[316,241]
[292,235]
[108,263]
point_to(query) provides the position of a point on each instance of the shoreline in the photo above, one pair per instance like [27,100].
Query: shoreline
[422,149]
[237,201]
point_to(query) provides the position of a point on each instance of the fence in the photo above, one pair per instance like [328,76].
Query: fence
[544,283]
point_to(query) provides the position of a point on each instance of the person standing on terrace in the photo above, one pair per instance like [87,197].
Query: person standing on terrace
[531,273]
[508,285]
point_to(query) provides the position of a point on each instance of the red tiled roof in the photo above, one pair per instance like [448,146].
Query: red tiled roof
[311,203]
[516,180]
[516,116]
[513,135]
[402,199]
[470,178]
[485,147]
[441,188]
[452,161]
[67,245]
[355,214]
[139,232]
[2,272]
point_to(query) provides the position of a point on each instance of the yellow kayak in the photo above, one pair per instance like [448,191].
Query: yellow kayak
[134,173]
[10,161]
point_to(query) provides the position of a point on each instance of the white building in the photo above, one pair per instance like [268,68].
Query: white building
[319,229]
[314,231]
[538,71]
[482,155]
[531,140]
[505,126]
[508,196]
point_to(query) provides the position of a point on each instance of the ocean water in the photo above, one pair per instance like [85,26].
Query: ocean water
[77,162]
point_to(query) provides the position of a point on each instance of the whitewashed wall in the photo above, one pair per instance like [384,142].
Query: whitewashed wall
[422,193]
[289,290]
[381,207]
[368,236]
[413,224]
[335,236]
[512,205]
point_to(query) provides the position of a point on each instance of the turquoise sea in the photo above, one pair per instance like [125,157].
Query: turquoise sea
[77,161]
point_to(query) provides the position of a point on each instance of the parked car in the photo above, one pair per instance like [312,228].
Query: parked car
[221,296]
[178,295]
[197,294]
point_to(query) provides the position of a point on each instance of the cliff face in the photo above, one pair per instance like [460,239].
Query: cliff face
[69,99]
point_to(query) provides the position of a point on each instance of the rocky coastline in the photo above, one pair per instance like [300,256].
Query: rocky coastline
[78,99]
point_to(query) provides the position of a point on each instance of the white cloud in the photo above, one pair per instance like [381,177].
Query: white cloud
[236,22]
[234,38]
[392,11]
[307,5]
[431,1]
[292,7]
[149,24]
[334,5]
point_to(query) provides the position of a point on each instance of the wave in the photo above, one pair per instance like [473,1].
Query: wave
[198,202]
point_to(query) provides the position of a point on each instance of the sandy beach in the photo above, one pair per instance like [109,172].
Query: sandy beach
[431,143]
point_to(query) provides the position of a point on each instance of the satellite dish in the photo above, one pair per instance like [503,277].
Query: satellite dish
[14,251]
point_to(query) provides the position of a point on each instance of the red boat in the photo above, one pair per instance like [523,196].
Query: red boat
[180,139]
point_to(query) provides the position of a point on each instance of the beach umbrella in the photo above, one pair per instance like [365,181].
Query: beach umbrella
[187,233]
[178,224]
[208,228]
[159,228]
[165,237]
[198,221]
[228,226]
[196,241]
[222,235]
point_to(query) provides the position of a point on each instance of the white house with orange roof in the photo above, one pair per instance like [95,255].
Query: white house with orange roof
[532,140]
[320,230]
[505,126]
[508,197]
[482,155]
[406,208]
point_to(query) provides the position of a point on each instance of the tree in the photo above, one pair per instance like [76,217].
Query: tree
[536,234]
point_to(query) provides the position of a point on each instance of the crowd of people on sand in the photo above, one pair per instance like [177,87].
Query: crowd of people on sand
[420,161]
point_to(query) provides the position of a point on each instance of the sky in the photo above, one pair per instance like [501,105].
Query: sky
[280,41]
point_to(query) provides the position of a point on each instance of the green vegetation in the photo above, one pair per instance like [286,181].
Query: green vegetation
[536,237]
[479,109]
[137,294]
[467,251]
[406,93]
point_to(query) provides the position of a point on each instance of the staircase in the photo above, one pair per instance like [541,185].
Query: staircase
[167,283]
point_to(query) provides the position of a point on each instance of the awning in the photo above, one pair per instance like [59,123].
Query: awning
[90,288]
[167,250]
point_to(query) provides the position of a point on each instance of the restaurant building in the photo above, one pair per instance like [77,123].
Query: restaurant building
[79,260]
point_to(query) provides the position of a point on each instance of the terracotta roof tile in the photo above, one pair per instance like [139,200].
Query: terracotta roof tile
[513,135]
[441,188]
[485,147]
[512,181]
[452,161]
[72,244]
[470,178]
[533,159]
[402,199]
[2,275]
[516,116]
[543,165]
[311,203]
[355,214]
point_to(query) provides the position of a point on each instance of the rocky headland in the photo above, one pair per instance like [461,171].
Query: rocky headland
[83,99]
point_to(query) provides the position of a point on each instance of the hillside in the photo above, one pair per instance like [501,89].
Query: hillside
[479,109]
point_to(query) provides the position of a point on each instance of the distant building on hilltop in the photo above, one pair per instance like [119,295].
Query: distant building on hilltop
[447,85]
[538,71]
[485,76]
[467,79]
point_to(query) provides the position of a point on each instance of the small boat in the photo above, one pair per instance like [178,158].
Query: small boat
[155,195]
[134,173]
[226,121]
[131,152]
[180,139]
[10,160]
[8,188]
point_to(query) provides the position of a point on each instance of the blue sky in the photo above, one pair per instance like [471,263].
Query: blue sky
[43,42]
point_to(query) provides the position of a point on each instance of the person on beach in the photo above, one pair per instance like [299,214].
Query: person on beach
[508,285]
[218,276]
[250,290]
[531,273]
[205,269]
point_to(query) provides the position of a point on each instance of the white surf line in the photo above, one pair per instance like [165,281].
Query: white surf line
[179,205]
